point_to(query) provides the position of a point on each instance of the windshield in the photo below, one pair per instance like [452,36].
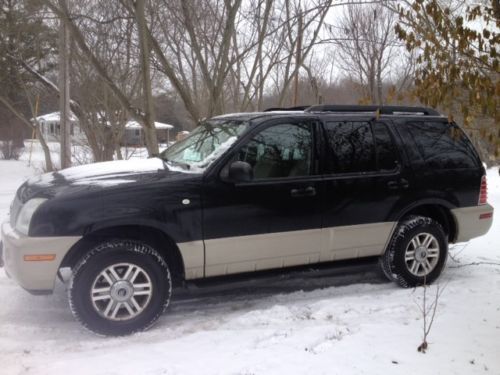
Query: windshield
[205,144]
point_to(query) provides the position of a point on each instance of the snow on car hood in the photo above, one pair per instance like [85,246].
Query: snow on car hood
[104,173]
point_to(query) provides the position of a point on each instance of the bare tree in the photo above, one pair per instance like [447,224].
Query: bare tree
[24,40]
[217,55]
[61,10]
[366,45]
[254,55]
[149,117]
[35,126]
[302,26]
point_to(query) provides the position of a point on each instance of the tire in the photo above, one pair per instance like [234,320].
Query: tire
[417,252]
[120,287]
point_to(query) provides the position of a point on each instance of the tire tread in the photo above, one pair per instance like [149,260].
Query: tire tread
[132,246]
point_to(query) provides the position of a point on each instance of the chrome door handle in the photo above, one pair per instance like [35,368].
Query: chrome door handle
[393,185]
[309,191]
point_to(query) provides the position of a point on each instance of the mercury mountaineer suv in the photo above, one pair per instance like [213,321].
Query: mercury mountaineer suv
[248,192]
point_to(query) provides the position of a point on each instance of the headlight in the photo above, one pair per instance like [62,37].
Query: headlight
[27,211]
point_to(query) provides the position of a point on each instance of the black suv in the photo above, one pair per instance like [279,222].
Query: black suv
[248,192]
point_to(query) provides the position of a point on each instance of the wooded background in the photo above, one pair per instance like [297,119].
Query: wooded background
[180,61]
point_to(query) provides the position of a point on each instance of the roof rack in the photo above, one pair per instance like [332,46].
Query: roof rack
[298,108]
[383,110]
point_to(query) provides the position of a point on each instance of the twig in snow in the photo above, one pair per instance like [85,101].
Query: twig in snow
[454,257]
[428,313]
[476,264]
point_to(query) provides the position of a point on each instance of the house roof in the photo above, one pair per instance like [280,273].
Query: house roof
[54,117]
[132,124]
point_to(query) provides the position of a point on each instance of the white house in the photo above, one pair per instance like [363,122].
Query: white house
[50,126]
[134,133]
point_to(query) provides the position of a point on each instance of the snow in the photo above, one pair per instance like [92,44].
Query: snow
[54,117]
[109,169]
[158,125]
[81,154]
[200,166]
[338,321]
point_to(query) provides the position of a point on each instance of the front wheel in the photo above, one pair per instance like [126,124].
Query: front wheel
[417,252]
[120,287]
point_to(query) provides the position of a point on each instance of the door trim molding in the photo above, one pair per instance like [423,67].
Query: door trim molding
[230,255]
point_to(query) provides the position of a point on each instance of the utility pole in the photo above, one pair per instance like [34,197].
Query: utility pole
[64,110]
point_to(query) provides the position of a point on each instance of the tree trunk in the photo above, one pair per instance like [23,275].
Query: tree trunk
[48,160]
[149,125]
[298,62]
[380,94]
[46,151]
[118,151]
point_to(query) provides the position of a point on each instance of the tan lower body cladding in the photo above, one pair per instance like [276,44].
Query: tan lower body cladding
[232,255]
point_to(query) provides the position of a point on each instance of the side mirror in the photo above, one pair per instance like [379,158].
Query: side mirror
[240,171]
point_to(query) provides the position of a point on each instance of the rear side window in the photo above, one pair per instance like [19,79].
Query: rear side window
[351,148]
[442,145]
[359,147]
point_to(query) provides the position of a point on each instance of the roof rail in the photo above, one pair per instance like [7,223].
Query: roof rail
[298,108]
[383,110]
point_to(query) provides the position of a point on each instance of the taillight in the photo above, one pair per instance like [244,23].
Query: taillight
[483,192]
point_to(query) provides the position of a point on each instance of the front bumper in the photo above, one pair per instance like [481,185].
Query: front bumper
[33,262]
[472,221]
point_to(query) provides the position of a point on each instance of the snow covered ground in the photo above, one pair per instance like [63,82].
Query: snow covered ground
[353,323]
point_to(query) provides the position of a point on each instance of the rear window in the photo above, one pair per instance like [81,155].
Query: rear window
[442,145]
[351,147]
[359,147]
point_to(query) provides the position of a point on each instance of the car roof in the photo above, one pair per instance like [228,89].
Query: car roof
[340,111]
[248,116]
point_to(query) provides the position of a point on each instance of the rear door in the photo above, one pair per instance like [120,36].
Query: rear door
[364,178]
[274,220]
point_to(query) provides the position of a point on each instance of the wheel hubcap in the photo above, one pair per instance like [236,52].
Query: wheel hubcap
[121,291]
[422,254]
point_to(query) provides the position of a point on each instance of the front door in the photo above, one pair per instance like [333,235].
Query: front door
[274,220]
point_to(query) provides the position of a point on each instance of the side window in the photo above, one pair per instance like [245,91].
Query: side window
[387,156]
[350,147]
[442,145]
[280,151]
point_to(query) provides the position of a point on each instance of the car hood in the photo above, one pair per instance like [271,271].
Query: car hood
[97,176]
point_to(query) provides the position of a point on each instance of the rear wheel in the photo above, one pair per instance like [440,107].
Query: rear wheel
[120,287]
[417,252]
